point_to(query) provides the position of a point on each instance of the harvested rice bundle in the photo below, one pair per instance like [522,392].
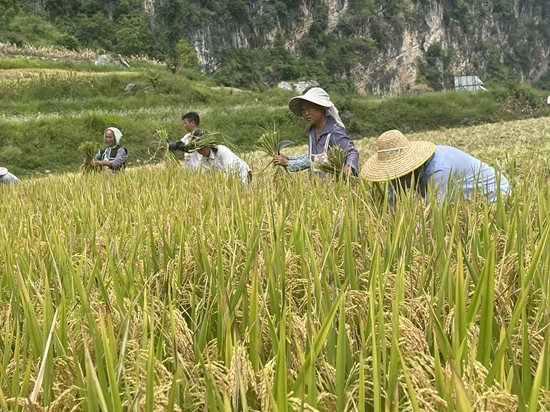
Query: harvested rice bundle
[89,150]
[203,138]
[163,141]
[334,165]
[271,144]
[269,141]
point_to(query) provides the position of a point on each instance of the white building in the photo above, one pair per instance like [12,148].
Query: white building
[468,83]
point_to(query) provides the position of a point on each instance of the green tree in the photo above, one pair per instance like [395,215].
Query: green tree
[96,32]
[133,36]
[429,75]
[172,14]
[68,41]
[241,69]
[239,11]
[187,57]
[57,8]
[544,82]
[8,10]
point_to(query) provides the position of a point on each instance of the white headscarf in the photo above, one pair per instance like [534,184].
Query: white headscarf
[118,134]
[318,96]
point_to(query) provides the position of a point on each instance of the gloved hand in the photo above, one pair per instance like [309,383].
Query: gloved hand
[171,145]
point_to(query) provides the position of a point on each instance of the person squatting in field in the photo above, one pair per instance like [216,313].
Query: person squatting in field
[113,157]
[6,177]
[427,166]
[325,131]
[191,123]
[215,156]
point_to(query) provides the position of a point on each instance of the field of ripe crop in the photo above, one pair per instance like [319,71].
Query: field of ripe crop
[162,289]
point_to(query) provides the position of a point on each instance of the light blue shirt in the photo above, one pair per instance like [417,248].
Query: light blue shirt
[449,164]
[9,178]
[297,163]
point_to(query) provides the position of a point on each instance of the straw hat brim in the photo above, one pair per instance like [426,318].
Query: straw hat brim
[403,162]
[295,104]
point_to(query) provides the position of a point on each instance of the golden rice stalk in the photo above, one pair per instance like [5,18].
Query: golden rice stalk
[269,144]
[89,150]
[206,139]
[336,158]
[269,141]
[169,157]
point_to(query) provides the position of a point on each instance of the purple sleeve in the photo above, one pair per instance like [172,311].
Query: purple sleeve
[341,138]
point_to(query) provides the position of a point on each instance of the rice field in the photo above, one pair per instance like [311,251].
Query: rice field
[14,74]
[165,290]
[25,50]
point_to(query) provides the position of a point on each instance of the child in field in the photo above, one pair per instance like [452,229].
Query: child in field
[113,157]
[424,164]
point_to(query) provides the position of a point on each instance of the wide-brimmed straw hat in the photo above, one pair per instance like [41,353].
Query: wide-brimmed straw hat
[396,157]
[3,171]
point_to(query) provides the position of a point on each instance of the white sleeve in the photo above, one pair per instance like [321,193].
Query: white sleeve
[185,139]
[192,160]
[233,163]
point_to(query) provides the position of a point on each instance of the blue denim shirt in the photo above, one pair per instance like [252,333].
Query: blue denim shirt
[9,178]
[448,164]
[338,137]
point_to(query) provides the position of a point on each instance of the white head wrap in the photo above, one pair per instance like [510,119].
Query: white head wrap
[318,96]
[118,133]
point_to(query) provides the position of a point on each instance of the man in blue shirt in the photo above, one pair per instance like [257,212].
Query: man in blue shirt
[403,162]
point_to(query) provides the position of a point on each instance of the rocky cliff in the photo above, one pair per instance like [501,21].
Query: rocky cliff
[471,35]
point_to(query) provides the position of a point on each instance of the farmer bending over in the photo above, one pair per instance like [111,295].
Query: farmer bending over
[6,177]
[216,156]
[422,163]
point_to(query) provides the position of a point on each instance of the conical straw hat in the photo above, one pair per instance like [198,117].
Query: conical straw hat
[396,157]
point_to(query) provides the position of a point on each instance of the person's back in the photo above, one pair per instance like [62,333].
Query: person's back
[221,157]
[449,163]
[6,177]
[428,168]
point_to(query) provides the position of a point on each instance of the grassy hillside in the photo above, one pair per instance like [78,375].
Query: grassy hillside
[170,290]
[48,108]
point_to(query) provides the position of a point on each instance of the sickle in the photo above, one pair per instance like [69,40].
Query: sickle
[284,143]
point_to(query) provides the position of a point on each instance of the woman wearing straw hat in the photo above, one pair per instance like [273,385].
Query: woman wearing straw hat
[325,131]
[7,177]
[423,163]
[113,157]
